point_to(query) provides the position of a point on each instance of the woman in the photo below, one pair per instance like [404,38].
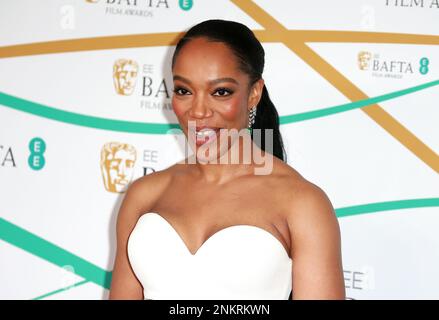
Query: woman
[206,230]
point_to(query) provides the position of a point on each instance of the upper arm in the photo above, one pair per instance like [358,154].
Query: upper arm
[315,246]
[124,283]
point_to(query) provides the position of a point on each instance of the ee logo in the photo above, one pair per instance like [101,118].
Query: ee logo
[423,68]
[186,4]
[37,147]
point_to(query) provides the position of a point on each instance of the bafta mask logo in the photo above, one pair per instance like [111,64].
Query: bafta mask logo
[92,1]
[125,76]
[364,59]
[117,165]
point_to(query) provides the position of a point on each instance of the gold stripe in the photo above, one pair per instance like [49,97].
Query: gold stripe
[346,36]
[170,39]
[99,43]
[375,112]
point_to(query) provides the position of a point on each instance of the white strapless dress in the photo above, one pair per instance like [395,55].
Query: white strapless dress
[238,262]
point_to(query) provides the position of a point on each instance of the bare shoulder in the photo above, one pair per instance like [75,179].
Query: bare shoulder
[315,245]
[302,198]
[140,196]
[310,216]
[310,205]
[145,190]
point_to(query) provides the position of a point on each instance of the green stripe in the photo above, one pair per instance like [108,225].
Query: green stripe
[83,120]
[353,105]
[50,252]
[60,290]
[163,128]
[384,206]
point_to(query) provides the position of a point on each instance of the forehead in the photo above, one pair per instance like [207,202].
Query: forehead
[205,60]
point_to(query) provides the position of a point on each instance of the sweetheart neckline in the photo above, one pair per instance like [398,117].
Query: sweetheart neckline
[215,234]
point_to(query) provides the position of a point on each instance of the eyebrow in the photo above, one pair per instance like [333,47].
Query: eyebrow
[215,81]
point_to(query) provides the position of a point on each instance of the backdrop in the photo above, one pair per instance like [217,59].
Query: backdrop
[85,108]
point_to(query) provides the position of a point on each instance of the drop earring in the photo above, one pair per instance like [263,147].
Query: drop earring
[251,118]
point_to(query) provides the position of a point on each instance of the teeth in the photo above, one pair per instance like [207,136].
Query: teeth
[205,132]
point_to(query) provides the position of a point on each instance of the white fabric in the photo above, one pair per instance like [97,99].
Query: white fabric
[237,262]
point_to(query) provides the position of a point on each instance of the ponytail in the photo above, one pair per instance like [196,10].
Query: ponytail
[268,118]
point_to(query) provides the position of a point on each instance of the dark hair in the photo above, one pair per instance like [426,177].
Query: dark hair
[251,59]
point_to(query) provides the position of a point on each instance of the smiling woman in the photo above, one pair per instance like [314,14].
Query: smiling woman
[240,58]
[207,230]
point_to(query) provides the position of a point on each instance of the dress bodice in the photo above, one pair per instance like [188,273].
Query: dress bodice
[237,262]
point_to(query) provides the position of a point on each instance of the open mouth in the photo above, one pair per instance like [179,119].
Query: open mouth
[206,135]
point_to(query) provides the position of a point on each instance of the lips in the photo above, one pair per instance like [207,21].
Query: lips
[207,129]
[199,128]
[201,131]
[205,134]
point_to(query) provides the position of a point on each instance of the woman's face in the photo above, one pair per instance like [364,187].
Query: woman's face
[210,90]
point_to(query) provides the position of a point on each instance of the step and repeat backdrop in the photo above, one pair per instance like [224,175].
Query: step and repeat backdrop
[85,109]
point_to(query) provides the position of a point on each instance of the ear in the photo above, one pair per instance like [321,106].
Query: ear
[255,93]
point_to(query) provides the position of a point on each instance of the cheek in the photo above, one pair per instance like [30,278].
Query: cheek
[232,109]
[178,107]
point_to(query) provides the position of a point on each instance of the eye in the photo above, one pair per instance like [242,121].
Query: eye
[180,91]
[223,92]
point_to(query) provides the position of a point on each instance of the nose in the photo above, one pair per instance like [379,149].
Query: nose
[199,108]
